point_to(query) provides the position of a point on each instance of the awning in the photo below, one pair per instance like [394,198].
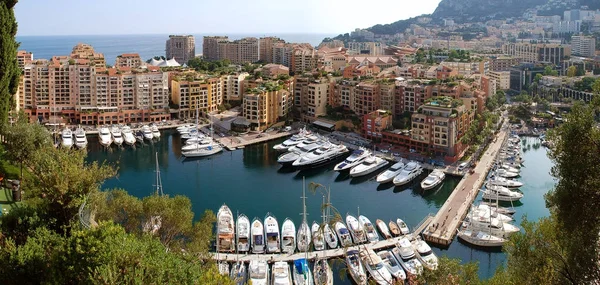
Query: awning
[324,124]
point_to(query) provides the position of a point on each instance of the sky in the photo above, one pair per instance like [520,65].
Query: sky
[111,17]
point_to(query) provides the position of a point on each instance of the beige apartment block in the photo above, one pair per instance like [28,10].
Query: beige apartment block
[181,47]
[131,60]
[239,51]
[468,68]
[23,58]
[210,47]
[265,45]
[233,86]
[537,53]
[202,95]
[502,79]
[262,107]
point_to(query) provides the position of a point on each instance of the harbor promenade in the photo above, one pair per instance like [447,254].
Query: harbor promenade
[235,142]
[322,254]
[443,227]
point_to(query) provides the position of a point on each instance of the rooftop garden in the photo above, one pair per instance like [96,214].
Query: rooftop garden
[444,102]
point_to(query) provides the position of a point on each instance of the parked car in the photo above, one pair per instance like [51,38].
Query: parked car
[463,166]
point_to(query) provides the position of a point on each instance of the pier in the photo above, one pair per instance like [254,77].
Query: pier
[233,142]
[443,226]
[322,254]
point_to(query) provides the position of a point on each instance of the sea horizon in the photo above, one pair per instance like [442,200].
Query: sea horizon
[146,45]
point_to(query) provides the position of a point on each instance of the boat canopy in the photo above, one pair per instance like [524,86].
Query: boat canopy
[300,265]
[344,231]
[258,239]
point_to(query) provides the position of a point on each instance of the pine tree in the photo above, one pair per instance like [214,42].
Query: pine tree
[9,70]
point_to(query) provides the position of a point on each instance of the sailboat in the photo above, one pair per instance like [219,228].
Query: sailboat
[243,233]
[288,236]
[225,229]
[355,267]
[323,273]
[304,236]
[356,230]
[302,274]
[317,235]
[238,273]
[205,149]
[330,237]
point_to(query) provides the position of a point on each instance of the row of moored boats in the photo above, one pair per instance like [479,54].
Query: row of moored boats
[107,136]
[488,224]
[197,144]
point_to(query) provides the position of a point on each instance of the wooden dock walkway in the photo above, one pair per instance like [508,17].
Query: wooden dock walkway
[443,227]
[233,143]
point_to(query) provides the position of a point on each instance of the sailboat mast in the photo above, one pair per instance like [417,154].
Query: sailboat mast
[159,189]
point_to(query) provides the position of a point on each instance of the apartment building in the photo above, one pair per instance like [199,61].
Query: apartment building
[367,97]
[502,79]
[23,58]
[272,70]
[85,51]
[210,47]
[537,53]
[331,59]
[468,68]
[317,97]
[361,70]
[365,48]
[375,123]
[265,45]
[262,107]
[583,46]
[503,63]
[303,58]
[282,54]
[202,95]
[414,95]
[181,47]
[233,86]
[131,60]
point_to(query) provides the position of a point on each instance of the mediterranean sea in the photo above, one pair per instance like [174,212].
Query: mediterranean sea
[148,46]
[250,181]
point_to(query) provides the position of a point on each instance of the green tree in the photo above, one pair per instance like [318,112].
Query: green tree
[572,71]
[23,139]
[549,71]
[9,69]
[451,271]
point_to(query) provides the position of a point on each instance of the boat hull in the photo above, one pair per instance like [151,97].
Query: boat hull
[321,162]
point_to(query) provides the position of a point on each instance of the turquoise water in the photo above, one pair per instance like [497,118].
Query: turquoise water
[250,181]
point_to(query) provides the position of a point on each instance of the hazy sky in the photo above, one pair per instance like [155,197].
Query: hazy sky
[93,17]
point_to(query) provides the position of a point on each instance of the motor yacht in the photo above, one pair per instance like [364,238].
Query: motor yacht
[302,274]
[506,173]
[195,139]
[288,236]
[495,208]
[288,158]
[368,227]
[80,138]
[356,230]
[303,237]
[483,210]
[317,236]
[368,166]
[403,227]
[353,160]
[294,140]
[139,136]
[375,266]
[104,137]
[308,140]
[185,129]
[323,273]
[500,193]
[320,156]
[238,274]
[66,138]
[281,273]
[193,146]
[489,225]
[257,236]
[480,238]
[355,267]
[388,175]
[411,171]
[405,254]
[425,254]
[147,132]
[330,237]
[192,133]
[392,264]
[394,229]
[343,234]
[242,228]
[509,168]
[225,230]
[116,135]
[383,229]
[210,149]
[501,181]
[258,271]
[435,178]
[155,131]
[128,136]
[272,234]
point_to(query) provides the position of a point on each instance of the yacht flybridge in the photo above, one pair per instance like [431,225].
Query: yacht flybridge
[353,160]
[67,138]
[225,230]
[104,137]
[116,135]
[80,138]
[368,166]
[388,175]
[128,136]
[320,156]
[435,178]
[294,140]
[411,171]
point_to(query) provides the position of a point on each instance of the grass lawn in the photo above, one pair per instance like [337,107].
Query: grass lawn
[6,201]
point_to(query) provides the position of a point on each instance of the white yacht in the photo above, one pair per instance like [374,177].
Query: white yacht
[66,138]
[185,129]
[403,227]
[355,267]
[238,273]
[480,238]
[320,156]
[323,273]
[317,236]
[207,150]
[147,132]
[353,160]
[411,171]
[509,167]
[225,230]
[80,138]
[486,211]
[302,274]
[495,208]
[272,234]
[288,158]
[383,229]
[294,140]
[343,234]
[389,174]
[392,264]
[500,193]
[375,266]
[258,270]
[506,173]
[330,237]
[196,138]
[104,137]
[192,146]
[128,136]
[288,236]
[257,236]
[435,178]
[281,274]
[223,267]
[405,254]
[501,181]
[308,140]
[368,228]
[368,166]
[243,233]
[303,237]
[489,225]
[155,131]
[425,254]
[356,230]
[116,135]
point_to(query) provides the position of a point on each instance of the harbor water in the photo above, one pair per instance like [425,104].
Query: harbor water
[250,181]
